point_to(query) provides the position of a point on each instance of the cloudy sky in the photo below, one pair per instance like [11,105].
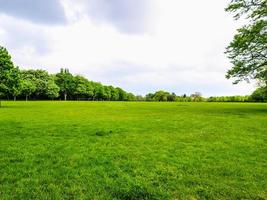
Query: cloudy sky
[139,45]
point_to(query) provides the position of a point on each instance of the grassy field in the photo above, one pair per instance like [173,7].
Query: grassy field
[132,150]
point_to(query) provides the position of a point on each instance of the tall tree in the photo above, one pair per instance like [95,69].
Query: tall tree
[8,74]
[40,79]
[27,88]
[52,90]
[64,80]
[248,50]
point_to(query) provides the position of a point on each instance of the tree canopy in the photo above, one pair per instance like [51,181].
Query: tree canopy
[248,50]
[9,75]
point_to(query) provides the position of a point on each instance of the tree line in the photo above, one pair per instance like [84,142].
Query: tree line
[260,95]
[40,85]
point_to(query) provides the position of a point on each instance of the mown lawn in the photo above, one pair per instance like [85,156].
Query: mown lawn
[133,150]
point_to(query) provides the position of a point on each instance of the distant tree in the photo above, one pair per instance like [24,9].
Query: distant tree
[122,94]
[65,81]
[260,94]
[197,96]
[27,88]
[99,92]
[52,90]
[114,93]
[248,50]
[40,79]
[171,97]
[131,97]
[15,88]
[8,74]
[150,97]
[81,87]
[161,95]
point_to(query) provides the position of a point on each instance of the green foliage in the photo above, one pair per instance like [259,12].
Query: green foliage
[133,150]
[27,88]
[9,75]
[229,99]
[166,96]
[65,81]
[248,50]
[52,90]
[260,94]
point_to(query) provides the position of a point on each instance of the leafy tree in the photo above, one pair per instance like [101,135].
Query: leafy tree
[40,79]
[122,94]
[8,74]
[114,94]
[81,86]
[149,97]
[99,92]
[197,97]
[66,83]
[260,94]
[131,97]
[171,97]
[27,88]
[16,80]
[248,50]
[52,90]
[161,95]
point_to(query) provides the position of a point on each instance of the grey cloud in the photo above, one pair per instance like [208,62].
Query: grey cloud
[18,35]
[38,11]
[130,16]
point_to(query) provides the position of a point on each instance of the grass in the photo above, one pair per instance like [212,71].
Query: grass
[133,150]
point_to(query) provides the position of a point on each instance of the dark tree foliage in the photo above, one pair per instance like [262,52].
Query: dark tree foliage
[9,75]
[260,94]
[248,50]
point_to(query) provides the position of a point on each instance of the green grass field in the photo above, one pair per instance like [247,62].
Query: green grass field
[133,150]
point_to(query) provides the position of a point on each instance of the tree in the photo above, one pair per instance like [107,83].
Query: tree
[40,79]
[196,97]
[8,74]
[122,94]
[64,80]
[52,90]
[248,50]
[113,93]
[27,88]
[81,86]
[260,94]
[161,95]
[171,97]
[149,97]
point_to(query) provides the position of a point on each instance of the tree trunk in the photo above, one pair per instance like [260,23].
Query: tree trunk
[26,97]
[65,96]
[15,98]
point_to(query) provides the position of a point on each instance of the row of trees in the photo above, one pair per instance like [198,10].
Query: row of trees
[260,95]
[166,96]
[40,85]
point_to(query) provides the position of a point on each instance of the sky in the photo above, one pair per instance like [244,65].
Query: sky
[139,45]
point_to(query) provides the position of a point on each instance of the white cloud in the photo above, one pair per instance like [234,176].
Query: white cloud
[180,50]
